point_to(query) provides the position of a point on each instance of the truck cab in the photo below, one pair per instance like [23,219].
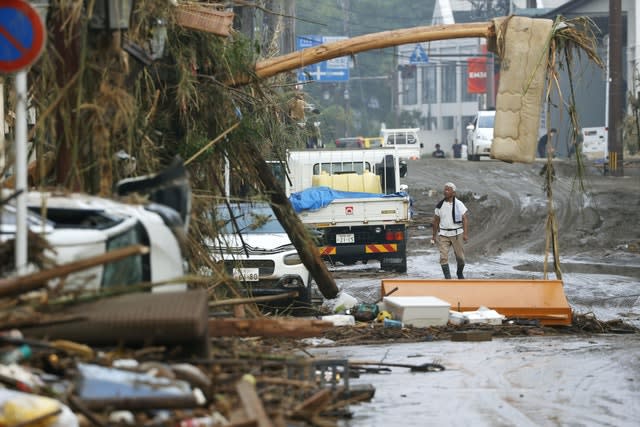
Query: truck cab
[405,141]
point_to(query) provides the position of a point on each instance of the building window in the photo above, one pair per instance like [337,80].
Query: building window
[447,122]
[429,95]
[449,82]
[430,123]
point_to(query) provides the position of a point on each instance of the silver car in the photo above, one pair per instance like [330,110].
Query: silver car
[257,251]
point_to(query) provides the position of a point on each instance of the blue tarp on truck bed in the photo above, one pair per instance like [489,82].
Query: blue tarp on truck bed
[315,198]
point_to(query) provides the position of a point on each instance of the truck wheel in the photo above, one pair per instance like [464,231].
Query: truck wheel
[402,267]
[398,267]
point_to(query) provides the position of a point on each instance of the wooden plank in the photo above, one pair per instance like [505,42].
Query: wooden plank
[277,327]
[252,403]
[313,405]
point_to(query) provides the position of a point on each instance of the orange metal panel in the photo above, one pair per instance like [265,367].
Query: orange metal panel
[526,299]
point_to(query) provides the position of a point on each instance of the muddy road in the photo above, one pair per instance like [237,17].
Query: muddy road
[598,229]
[524,381]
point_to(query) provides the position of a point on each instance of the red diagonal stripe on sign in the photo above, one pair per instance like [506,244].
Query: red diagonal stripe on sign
[14,42]
[327,250]
[382,248]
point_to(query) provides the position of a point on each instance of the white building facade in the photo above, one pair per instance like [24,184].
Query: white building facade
[437,88]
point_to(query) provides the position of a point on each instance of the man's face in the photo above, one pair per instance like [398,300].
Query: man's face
[448,192]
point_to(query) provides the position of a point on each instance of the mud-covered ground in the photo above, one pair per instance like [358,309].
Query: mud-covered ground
[531,379]
[509,209]
[598,226]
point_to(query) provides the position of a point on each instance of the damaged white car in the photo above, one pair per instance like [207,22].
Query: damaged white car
[77,226]
[257,251]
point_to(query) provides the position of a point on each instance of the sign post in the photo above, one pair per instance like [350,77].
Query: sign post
[333,70]
[21,43]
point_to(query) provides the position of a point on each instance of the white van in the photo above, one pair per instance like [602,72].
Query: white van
[481,135]
[405,141]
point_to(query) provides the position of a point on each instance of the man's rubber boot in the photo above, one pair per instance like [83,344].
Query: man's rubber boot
[459,271]
[445,270]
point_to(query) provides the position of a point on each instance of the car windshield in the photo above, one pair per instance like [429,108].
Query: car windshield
[8,220]
[486,121]
[249,218]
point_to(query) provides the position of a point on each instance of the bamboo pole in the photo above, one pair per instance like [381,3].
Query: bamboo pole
[324,52]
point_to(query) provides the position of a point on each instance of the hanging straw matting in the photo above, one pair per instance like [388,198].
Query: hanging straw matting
[204,18]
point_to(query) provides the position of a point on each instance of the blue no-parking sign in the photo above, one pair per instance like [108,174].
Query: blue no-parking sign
[21,35]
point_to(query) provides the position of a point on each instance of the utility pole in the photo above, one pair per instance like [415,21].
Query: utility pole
[289,27]
[491,79]
[244,20]
[615,143]
[345,24]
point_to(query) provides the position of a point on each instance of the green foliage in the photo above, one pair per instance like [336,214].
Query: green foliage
[176,104]
[334,123]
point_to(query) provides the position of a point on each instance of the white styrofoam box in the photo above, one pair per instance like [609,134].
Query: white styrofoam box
[485,316]
[419,311]
[457,318]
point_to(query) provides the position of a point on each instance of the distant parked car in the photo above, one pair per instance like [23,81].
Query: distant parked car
[257,251]
[481,135]
[350,142]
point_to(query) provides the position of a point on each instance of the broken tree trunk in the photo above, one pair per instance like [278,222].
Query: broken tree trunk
[324,52]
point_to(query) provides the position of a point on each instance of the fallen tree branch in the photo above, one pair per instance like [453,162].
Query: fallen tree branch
[31,282]
[265,298]
[381,40]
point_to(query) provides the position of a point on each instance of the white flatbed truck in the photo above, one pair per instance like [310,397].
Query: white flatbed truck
[368,218]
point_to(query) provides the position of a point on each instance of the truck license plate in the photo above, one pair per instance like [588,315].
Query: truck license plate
[246,274]
[345,238]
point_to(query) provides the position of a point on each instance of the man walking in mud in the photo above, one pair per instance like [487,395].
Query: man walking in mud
[450,225]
